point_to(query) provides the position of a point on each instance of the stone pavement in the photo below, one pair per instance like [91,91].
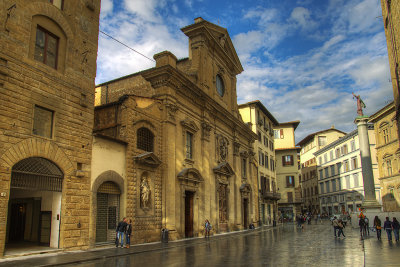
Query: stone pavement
[281,246]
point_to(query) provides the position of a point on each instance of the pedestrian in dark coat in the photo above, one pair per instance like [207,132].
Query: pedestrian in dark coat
[396,226]
[128,232]
[121,227]
[388,227]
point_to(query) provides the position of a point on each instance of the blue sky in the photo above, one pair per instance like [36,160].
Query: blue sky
[301,58]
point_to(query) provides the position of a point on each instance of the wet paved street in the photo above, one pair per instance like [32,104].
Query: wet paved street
[281,246]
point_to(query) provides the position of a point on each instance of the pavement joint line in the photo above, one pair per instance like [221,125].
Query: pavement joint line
[177,242]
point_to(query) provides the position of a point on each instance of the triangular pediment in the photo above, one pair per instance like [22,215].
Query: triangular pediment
[224,169]
[190,125]
[148,158]
[219,36]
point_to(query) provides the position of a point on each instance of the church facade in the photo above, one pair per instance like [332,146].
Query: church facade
[188,154]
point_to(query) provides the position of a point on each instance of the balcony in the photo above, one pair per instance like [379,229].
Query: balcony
[277,196]
[271,195]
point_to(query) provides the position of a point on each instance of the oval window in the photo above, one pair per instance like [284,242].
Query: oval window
[220,85]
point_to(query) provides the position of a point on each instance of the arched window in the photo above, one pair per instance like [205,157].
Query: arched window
[145,139]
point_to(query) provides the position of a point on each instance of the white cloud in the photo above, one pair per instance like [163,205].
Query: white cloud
[106,8]
[145,10]
[302,18]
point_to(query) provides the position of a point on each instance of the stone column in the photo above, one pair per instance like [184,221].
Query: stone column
[370,202]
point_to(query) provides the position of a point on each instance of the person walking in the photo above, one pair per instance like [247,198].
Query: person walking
[388,227]
[128,232]
[335,225]
[121,232]
[366,225]
[361,224]
[396,226]
[207,228]
[378,227]
[340,228]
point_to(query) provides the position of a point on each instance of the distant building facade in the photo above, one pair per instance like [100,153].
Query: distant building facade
[47,73]
[388,155]
[262,123]
[391,22]
[341,187]
[287,170]
[308,166]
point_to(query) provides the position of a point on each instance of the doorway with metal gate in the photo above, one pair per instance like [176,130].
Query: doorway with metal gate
[34,206]
[108,209]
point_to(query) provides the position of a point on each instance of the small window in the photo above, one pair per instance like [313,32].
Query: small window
[189,145]
[58,3]
[145,139]
[321,140]
[266,162]
[385,133]
[388,167]
[43,122]
[46,47]
[290,197]
[346,166]
[287,160]
[353,145]
[354,163]
[289,181]
[244,169]
[220,85]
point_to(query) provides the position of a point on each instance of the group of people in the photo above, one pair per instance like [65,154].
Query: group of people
[388,226]
[338,227]
[124,229]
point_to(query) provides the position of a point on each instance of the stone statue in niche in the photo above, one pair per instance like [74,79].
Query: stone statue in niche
[223,148]
[145,192]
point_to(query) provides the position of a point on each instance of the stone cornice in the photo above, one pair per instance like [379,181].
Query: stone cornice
[169,77]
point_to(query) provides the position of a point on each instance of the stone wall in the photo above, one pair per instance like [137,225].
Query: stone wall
[67,91]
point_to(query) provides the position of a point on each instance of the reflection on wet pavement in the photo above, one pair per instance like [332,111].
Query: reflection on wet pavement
[315,245]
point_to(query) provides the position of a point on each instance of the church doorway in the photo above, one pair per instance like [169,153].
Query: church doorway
[245,213]
[35,205]
[189,213]
[108,209]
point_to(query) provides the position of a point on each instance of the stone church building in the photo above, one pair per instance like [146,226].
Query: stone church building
[187,153]
[165,147]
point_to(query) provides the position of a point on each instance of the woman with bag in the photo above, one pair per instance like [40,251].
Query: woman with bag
[378,227]
[207,228]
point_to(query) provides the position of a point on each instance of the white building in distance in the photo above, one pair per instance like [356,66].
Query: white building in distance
[340,179]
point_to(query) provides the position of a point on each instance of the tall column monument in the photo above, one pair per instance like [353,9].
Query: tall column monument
[370,203]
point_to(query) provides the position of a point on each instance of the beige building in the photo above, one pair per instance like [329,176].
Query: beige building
[340,178]
[308,165]
[391,22]
[388,155]
[287,170]
[47,72]
[188,154]
[262,122]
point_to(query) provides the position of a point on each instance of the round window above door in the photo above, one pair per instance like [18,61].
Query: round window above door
[220,85]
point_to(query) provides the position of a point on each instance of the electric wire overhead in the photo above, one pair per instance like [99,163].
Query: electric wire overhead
[106,34]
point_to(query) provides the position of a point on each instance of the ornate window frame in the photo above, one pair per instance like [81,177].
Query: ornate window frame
[189,126]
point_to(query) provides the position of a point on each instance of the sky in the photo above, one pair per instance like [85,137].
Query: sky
[301,58]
